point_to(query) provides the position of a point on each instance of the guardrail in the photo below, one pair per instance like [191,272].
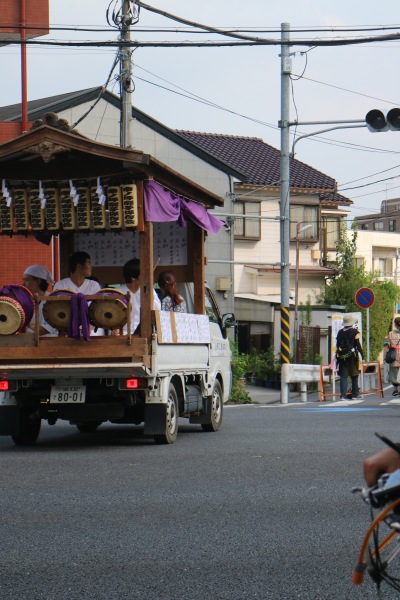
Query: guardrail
[302,374]
[322,374]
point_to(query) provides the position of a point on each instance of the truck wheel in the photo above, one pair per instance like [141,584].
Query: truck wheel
[89,427]
[215,409]
[171,419]
[29,423]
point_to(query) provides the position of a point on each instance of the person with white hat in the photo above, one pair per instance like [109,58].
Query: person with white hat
[37,278]
[348,347]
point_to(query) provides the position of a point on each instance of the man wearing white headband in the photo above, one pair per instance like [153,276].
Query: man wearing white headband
[37,278]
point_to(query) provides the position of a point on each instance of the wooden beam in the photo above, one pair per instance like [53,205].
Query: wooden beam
[196,234]
[146,280]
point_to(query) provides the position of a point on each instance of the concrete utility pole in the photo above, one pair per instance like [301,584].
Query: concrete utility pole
[125,77]
[285,193]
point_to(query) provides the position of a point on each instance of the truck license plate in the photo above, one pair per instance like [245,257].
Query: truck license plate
[63,394]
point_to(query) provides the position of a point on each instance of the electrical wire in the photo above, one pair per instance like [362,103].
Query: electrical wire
[101,92]
[337,87]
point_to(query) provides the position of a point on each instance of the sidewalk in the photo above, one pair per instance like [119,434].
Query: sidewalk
[261,395]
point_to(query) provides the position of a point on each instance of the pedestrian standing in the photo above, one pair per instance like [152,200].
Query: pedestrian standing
[393,339]
[348,349]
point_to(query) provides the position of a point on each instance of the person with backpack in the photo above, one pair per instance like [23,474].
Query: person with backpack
[393,341]
[348,349]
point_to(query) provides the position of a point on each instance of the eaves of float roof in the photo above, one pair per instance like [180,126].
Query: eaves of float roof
[57,104]
[49,154]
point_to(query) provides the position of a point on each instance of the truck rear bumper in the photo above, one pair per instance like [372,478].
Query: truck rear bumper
[72,370]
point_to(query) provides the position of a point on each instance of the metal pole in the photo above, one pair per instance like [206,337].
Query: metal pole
[125,77]
[367,334]
[285,193]
[24,77]
[296,294]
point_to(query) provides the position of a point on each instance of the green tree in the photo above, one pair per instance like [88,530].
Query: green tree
[342,287]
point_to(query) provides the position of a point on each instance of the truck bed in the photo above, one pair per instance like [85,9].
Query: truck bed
[62,354]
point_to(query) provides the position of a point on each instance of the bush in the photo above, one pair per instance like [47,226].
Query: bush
[239,366]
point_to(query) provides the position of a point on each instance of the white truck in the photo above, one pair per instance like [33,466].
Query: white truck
[184,372]
[62,185]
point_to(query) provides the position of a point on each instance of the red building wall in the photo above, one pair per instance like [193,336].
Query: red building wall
[19,252]
[37,18]
[8,131]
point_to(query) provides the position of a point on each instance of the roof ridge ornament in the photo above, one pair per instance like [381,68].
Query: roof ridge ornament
[51,119]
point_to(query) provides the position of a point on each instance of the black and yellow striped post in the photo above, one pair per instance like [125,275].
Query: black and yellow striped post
[285,335]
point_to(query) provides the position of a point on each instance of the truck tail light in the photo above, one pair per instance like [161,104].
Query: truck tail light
[136,383]
[3,386]
[132,384]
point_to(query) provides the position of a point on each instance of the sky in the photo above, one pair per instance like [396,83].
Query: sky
[328,83]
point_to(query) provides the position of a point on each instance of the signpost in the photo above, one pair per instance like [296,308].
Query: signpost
[364,299]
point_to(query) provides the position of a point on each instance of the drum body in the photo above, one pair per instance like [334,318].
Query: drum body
[58,314]
[17,308]
[111,311]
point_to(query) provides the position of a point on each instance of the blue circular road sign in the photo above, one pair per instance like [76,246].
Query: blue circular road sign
[364,297]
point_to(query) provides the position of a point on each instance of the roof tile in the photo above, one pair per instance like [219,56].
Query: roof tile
[258,161]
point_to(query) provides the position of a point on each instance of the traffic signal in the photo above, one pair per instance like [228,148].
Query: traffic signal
[377,122]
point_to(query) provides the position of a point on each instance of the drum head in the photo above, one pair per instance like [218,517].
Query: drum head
[111,311]
[58,314]
[12,316]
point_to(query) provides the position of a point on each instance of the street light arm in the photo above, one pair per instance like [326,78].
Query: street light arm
[306,135]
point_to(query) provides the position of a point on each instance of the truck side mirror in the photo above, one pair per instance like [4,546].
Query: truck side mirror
[228,320]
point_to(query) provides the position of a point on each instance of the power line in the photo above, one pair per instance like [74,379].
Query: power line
[337,87]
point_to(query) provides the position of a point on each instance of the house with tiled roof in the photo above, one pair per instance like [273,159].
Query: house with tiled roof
[243,264]
[315,205]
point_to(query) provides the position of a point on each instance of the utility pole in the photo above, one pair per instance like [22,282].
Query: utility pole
[285,193]
[125,76]
[24,76]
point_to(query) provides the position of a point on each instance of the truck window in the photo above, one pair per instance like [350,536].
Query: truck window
[211,310]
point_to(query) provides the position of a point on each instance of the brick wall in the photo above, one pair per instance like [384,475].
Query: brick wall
[18,253]
[37,18]
[8,131]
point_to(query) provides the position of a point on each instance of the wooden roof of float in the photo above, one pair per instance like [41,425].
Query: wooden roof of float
[51,152]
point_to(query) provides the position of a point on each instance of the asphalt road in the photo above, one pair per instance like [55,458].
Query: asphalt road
[261,509]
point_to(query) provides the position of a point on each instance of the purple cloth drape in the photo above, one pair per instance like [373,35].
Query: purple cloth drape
[79,318]
[163,206]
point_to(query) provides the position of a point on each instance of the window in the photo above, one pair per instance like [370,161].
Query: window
[378,226]
[359,262]
[384,266]
[306,215]
[392,225]
[364,226]
[248,225]
[211,309]
[332,231]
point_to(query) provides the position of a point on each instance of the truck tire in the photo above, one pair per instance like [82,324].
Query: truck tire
[171,419]
[29,423]
[215,409]
[89,427]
